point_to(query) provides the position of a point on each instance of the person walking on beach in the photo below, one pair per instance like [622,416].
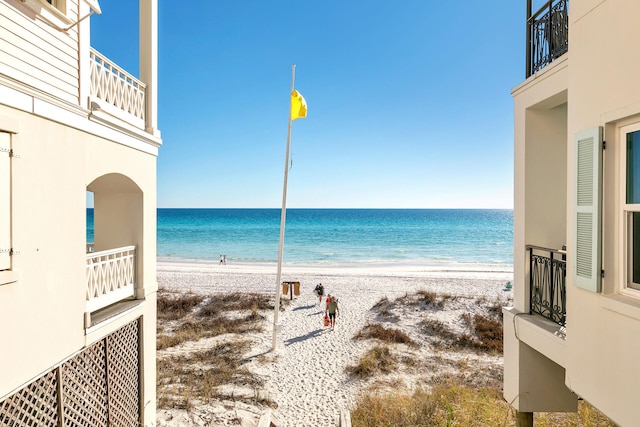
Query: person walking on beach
[319,290]
[333,310]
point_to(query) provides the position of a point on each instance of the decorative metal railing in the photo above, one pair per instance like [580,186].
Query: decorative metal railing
[547,34]
[116,87]
[547,284]
[110,277]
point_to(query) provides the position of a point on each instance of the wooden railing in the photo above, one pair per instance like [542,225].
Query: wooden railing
[117,88]
[110,277]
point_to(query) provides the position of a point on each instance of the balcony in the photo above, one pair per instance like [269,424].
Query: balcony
[547,34]
[110,277]
[547,284]
[116,92]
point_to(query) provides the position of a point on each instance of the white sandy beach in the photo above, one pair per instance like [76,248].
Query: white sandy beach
[306,375]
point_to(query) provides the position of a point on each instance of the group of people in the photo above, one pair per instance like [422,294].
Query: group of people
[331,305]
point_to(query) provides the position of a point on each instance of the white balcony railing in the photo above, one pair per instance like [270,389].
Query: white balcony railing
[110,276]
[114,87]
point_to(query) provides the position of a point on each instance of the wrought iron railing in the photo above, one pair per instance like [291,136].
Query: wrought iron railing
[116,87]
[547,284]
[110,277]
[547,34]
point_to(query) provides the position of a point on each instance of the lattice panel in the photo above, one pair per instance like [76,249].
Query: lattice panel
[34,405]
[98,387]
[123,375]
[84,388]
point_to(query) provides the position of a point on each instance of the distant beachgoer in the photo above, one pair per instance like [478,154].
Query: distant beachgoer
[319,290]
[333,310]
[223,259]
[327,301]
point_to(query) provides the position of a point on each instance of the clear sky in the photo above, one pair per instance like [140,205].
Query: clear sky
[409,103]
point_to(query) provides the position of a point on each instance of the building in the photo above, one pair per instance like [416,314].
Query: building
[573,331]
[77,317]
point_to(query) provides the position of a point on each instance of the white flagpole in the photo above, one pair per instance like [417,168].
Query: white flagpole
[283,217]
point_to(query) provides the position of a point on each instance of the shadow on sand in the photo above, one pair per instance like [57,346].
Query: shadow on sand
[311,334]
[304,307]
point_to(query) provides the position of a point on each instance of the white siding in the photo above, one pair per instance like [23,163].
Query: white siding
[39,55]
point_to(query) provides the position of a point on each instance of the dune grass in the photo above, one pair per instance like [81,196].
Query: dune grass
[452,405]
[377,360]
[450,401]
[190,378]
[384,334]
[200,317]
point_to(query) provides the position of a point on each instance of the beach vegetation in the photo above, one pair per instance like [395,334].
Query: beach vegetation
[486,331]
[235,301]
[384,334]
[197,375]
[378,359]
[202,373]
[174,306]
[384,308]
[450,404]
[234,313]
[483,333]
[438,330]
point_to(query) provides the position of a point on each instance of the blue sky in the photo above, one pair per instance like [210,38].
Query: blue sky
[409,102]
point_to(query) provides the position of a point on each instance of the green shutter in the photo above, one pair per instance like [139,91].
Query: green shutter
[5,201]
[588,197]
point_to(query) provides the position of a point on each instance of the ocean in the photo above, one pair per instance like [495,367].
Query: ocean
[475,238]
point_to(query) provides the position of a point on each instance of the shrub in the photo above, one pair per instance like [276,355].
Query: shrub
[388,335]
[377,359]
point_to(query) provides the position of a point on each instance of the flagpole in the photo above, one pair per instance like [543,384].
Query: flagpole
[283,217]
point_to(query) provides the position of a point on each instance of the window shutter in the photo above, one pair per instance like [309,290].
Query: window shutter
[5,201]
[588,196]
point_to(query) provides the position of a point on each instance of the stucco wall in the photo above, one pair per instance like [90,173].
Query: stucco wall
[604,90]
[43,312]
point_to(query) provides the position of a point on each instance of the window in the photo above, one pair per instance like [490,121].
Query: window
[5,201]
[54,11]
[631,207]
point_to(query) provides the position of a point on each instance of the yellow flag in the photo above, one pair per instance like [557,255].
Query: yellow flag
[298,106]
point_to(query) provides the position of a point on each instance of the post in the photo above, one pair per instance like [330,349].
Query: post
[529,40]
[524,419]
[283,217]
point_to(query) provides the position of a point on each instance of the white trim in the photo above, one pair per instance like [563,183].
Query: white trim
[77,117]
[623,304]
[94,5]
[8,276]
[623,210]
[14,98]
[58,17]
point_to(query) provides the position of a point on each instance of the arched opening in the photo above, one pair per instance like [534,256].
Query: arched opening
[114,241]
[117,211]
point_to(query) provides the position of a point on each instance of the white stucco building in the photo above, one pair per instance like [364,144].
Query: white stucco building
[574,329]
[77,318]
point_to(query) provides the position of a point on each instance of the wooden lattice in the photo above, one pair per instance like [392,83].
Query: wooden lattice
[84,388]
[97,387]
[34,405]
[123,376]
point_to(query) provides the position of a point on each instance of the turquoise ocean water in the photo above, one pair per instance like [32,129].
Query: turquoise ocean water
[481,238]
